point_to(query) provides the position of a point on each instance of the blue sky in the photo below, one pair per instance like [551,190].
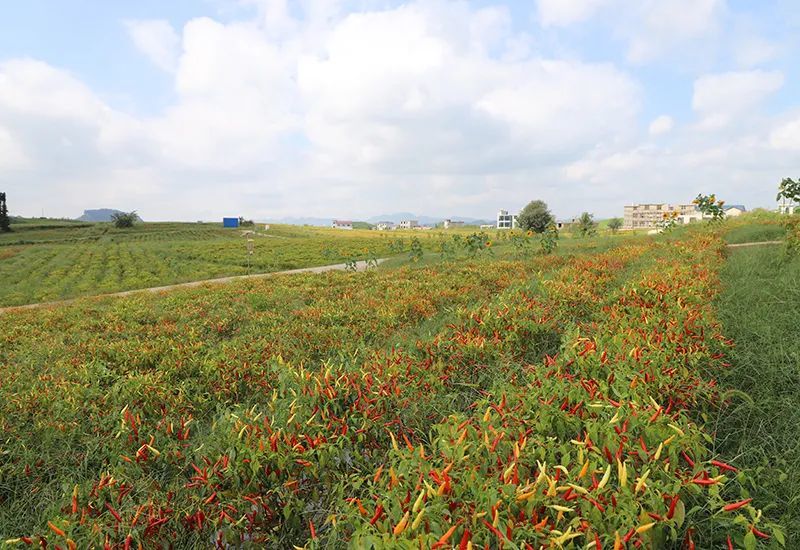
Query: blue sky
[268,108]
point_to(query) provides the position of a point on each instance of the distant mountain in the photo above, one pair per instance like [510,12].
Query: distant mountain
[396,217]
[98,215]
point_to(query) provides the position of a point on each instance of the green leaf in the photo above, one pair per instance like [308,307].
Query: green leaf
[680,513]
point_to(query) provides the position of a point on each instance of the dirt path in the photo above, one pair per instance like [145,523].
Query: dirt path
[360,266]
[737,245]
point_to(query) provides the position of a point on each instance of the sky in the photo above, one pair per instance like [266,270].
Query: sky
[192,110]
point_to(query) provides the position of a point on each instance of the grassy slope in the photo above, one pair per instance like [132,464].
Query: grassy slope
[760,311]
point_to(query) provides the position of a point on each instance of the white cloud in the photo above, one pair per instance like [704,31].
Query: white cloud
[661,26]
[720,99]
[433,107]
[660,125]
[787,136]
[566,12]
[12,157]
[157,40]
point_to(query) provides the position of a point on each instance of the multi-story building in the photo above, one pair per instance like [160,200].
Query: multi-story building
[506,220]
[647,216]
[342,224]
[408,224]
[785,206]
[384,226]
[448,224]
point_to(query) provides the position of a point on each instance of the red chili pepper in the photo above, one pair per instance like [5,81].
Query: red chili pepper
[758,533]
[730,544]
[113,512]
[723,466]
[672,505]
[377,516]
[705,482]
[736,505]
[494,530]
[629,535]
[687,459]
[313,531]
[464,540]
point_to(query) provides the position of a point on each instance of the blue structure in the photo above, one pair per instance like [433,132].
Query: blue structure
[230,222]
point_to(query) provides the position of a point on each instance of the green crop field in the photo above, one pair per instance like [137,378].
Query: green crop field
[616,394]
[47,260]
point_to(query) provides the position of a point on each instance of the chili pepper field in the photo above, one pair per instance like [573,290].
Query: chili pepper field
[546,402]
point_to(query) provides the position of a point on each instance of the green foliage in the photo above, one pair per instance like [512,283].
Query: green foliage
[710,207]
[792,226]
[789,189]
[535,217]
[124,220]
[586,226]
[5,222]
[615,224]
[415,252]
[549,239]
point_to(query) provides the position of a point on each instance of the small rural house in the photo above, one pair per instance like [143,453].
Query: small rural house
[408,224]
[342,224]
[734,210]
[384,226]
[448,224]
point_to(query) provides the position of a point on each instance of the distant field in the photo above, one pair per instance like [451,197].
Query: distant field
[46,260]
[51,260]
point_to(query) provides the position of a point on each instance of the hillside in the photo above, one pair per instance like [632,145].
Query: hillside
[98,215]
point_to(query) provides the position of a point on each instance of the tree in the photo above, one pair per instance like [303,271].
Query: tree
[614,224]
[5,222]
[535,217]
[789,189]
[124,220]
[585,225]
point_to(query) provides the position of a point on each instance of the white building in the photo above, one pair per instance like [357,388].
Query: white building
[384,226]
[734,210]
[506,220]
[785,206]
[648,216]
[447,224]
[342,224]
[408,224]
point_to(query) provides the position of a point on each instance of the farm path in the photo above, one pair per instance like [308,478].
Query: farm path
[761,243]
[360,266]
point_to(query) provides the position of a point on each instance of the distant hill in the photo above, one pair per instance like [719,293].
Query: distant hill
[396,217]
[98,215]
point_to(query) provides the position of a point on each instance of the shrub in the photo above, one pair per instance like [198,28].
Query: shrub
[124,220]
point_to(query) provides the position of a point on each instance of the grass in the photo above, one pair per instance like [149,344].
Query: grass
[760,311]
[756,232]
